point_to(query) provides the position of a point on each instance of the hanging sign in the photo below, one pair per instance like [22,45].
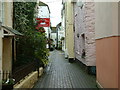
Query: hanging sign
[43,22]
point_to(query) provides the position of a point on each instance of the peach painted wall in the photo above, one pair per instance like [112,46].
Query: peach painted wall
[107,62]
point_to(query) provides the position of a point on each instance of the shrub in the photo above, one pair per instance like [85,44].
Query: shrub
[33,44]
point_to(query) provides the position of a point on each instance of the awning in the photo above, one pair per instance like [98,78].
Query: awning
[8,31]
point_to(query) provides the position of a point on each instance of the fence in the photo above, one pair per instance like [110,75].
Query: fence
[21,72]
[5,75]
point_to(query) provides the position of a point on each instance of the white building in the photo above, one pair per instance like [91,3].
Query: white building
[44,12]
[7,37]
[60,37]
[63,26]
[54,36]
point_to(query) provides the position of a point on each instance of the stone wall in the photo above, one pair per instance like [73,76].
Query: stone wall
[29,80]
[90,33]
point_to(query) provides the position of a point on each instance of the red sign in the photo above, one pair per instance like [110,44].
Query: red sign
[43,22]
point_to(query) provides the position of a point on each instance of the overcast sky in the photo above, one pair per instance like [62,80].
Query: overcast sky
[55,9]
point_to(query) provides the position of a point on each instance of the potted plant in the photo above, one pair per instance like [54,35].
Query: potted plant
[8,84]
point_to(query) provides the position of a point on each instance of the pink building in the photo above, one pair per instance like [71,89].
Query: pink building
[84,32]
[107,17]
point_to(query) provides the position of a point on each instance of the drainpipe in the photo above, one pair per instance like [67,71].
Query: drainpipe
[57,38]
[13,47]
[49,37]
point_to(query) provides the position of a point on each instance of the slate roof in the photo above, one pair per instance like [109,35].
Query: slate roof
[12,30]
[44,4]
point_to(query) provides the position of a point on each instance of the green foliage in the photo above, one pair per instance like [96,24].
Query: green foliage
[41,52]
[62,38]
[32,42]
[9,81]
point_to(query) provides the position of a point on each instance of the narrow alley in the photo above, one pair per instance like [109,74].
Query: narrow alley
[57,44]
[62,74]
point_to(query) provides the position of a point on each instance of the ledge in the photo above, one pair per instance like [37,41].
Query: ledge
[30,80]
[98,84]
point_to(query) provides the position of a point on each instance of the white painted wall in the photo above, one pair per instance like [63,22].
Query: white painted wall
[7,43]
[43,12]
[69,29]
[63,28]
[106,18]
[48,30]
[53,36]
[8,12]
[84,22]
[60,33]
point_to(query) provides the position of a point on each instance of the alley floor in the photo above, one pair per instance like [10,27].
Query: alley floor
[62,74]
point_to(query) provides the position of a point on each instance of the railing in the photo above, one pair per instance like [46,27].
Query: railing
[5,75]
[20,72]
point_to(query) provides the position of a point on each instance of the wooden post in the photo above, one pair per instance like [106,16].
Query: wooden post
[1,46]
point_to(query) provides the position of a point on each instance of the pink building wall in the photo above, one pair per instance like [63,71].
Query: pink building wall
[107,26]
[84,34]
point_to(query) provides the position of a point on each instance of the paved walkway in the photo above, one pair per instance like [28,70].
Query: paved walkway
[62,74]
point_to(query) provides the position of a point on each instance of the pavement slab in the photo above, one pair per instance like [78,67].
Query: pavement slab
[61,74]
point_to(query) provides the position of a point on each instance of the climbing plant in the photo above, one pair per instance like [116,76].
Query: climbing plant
[33,43]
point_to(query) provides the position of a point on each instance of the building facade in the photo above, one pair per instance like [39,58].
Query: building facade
[60,36]
[96,36]
[69,34]
[44,12]
[107,45]
[84,32]
[63,27]
[53,36]
[7,14]
[7,34]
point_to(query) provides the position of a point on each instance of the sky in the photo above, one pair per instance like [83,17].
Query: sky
[55,9]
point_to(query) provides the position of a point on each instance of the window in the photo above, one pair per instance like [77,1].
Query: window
[83,46]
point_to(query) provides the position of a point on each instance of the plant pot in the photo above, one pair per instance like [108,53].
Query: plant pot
[7,87]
